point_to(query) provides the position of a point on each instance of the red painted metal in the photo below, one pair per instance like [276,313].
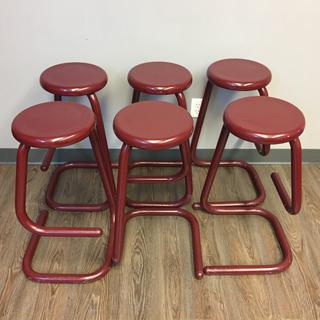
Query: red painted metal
[73,79]
[292,205]
[264,120]
[50,153]
[149,132]
[67,206]
[195,231]
[255,269]
[261,120]
[121,201]
[239,74]
[74,124]
[160,78]
[186,173]
[76,79]
[153,125]
[141,125]
[53,132]
[215,163]
[232,74]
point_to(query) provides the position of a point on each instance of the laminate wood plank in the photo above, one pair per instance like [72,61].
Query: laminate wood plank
[155,278]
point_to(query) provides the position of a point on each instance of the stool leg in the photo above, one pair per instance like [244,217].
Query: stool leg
[102,138]
[292,205]
[159,179]
[214,166]
[187,163]
[104,170]
[216,207]
[181,100]
[47,160]
[199,124]
[256,269]
[184,173]
[121,204]
[50,153]
[84,165]
[135,96]
[263,149]
[195,231]
[76,278]
[20,205]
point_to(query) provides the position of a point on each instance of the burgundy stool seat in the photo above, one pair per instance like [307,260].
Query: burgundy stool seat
[76,79]
[161,78]
[75,123]
[239,74]
[264,120]
[231,74]
[154,125]
[146,125]
[73,79]
[53,125]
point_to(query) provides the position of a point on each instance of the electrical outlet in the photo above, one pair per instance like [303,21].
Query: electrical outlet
[195,107]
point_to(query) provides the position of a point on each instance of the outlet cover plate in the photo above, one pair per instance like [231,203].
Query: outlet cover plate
[195,107]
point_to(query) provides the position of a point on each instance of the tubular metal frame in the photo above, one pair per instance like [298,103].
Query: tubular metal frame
[39,229]
[262,149]
[123,218]
[292,205]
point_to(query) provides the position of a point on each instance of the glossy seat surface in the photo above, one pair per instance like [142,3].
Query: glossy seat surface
[159,78]
[153,125]
[53,124]
[239,74]
[264,120]
[73,79]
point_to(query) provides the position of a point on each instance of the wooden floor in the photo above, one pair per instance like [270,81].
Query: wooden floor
[155,279]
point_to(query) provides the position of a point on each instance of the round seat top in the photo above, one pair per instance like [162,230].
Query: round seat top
[159,78]
[73,79]
[153,125]
[239,74]
[53,124]
[264,120]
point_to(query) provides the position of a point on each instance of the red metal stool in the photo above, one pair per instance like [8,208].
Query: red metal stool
[231,74]
[76,79]
[261,120]
[53,125]
[153,125]
[159,78]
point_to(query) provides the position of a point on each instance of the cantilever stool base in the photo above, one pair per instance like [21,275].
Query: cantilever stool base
[153,125]
[255,269]
[159,78]
[265,121]
[76,79]
[255,180]
[58,124]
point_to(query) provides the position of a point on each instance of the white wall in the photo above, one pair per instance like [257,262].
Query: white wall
[116,35]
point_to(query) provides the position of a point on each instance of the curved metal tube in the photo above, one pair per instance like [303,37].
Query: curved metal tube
[292,205]
[256,269]
[194,225]
[215,163]
[262,149]
[50,153]
[20,205]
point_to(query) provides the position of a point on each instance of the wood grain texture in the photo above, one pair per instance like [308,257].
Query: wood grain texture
[155,279]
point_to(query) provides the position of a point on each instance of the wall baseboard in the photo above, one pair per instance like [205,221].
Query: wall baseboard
[8,155]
